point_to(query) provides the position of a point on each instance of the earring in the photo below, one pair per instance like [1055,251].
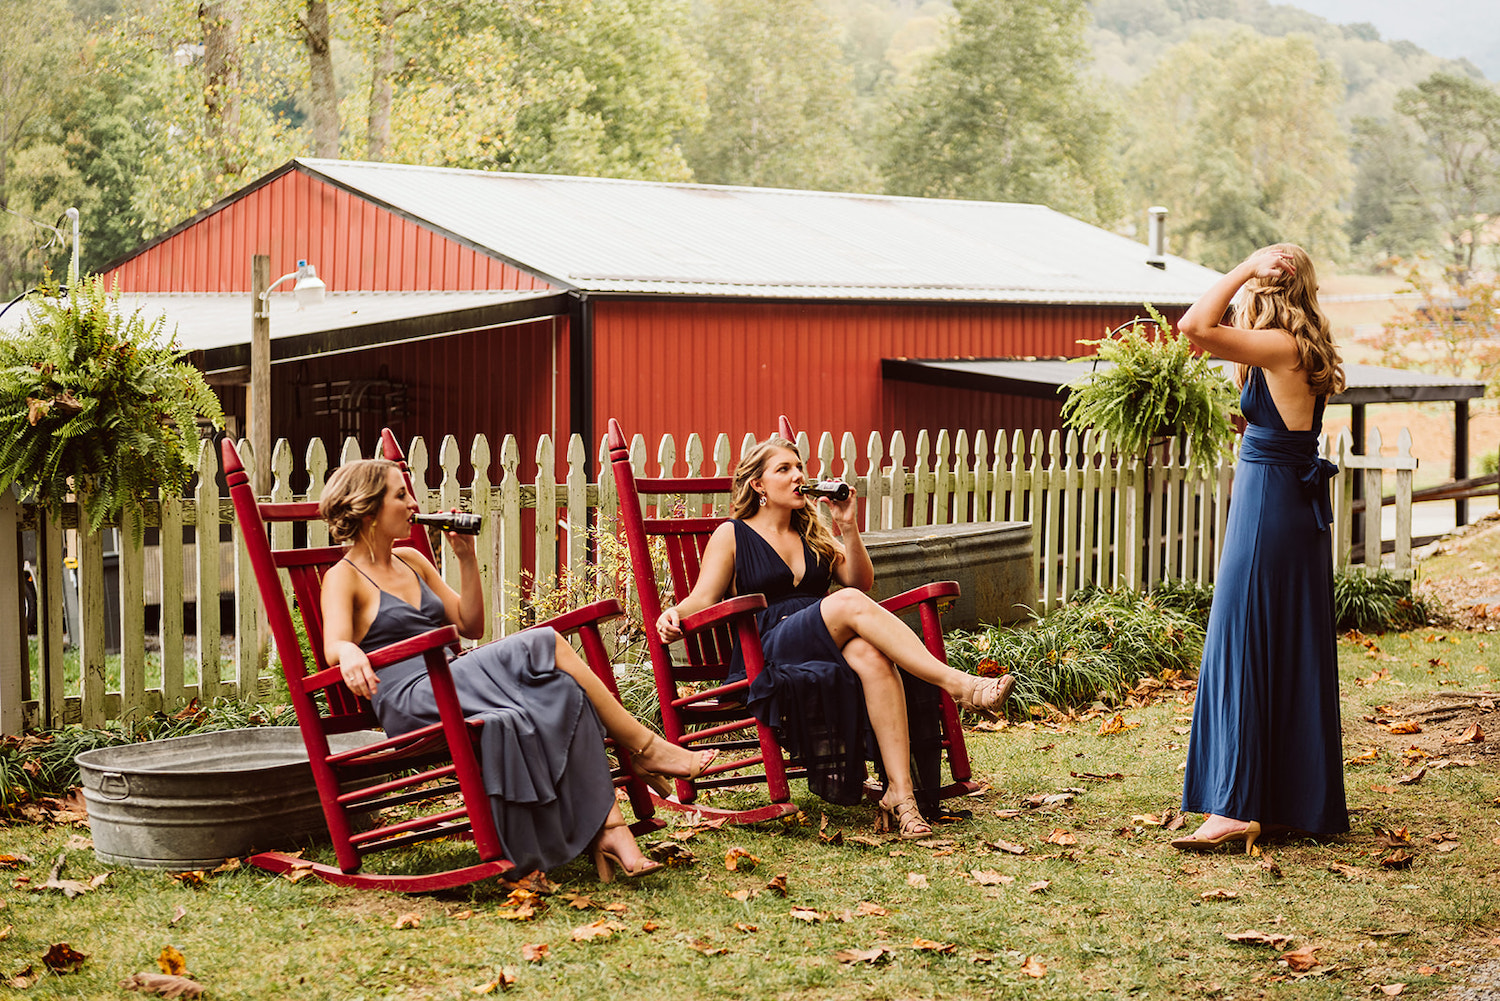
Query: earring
[762,500]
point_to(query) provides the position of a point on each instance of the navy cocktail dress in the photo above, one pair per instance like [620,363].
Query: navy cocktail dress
[809,695]
[541,750]
[1265,742]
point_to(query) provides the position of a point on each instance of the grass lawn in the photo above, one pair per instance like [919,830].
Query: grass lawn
[1096,905]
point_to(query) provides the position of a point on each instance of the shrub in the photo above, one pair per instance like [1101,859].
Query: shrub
[1376,601]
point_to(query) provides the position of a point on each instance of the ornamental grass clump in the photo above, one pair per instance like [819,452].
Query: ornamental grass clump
[1376,601]
[1155,388]
[1093,649]
[98,404]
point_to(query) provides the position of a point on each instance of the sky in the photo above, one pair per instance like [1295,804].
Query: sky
[1454,28]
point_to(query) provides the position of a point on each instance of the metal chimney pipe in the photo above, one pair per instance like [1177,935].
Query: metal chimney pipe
[1156,236]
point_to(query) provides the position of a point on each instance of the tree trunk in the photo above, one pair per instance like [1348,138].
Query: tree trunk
[220,20]
[323,98]
[383,67]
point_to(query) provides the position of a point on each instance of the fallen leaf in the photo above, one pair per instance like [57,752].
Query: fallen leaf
[1008,814]
[535,882]
[1347,871]
[867,841]
[672,854]
[1473,735]
[163,985]
[1391,990]
[1060,837]
[1363,759]
[1445,846]
[603,928]
[1034,967]
[867,909]
[1392,837]
[15,861]
[935,843]
[1398,859]
[1145,819]
[778,885]
[63,958]
[986,877]
[178,913]
[1405,726]
[408,920]
[916,880]
[534,952]
[1301,960]
[1254,937]
[1097,777]
[748,929]
[1040,886]
[1428,971]
[517,912]
[192,879]
[1413,778]
[172,962]
[505,979]
[1007,846]
[1269,867]
[737,858]
[928,945]
[878,954]
[707,948]
[1219,894]
[23,980]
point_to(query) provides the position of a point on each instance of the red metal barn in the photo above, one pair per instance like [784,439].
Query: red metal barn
[463,302]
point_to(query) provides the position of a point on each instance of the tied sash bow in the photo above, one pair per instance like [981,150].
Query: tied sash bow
[1298,449]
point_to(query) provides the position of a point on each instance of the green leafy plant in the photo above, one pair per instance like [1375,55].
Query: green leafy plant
[1376,602]
[99,404]
[1155,387]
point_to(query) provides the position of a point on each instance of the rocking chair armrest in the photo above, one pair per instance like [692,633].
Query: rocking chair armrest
[729,608]
[585,615]
[414,646]
[934,591]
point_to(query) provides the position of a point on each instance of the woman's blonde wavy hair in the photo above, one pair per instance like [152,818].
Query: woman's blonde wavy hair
[354,492]
[805,520]
[1290,303]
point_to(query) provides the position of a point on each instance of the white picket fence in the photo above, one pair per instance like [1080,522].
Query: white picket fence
[1093,519]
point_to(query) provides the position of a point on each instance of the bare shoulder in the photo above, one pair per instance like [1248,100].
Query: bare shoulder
[421,564]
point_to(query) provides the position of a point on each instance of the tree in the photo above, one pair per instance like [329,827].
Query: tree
[1460,120]
[1390,217]
[1004,112]
[1452,326]
[780,100]
[1238,136]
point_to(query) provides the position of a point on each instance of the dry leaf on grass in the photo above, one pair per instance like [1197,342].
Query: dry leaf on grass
[778,884]
[1060,837]
[1413,778]
[505,979]
[1219,894]
[745,927]
[742,894]
[14,861]
[808,914]
[534,952]
[172,962]
[916,880]
[1098,777]
[70,887]
[1405,726]
[1034,967]
[738,858]
[24,979]
[1007,846]
[1365,758]
[928,945]
[1399,859]
[988,877]
[869,910]
[603,928]
[707,948]
[63,958]
[1040,886]
[163,985]
[1301,960]
[935,843]
[672,854]
[178,913]
[1390,990]
[408,920]
[1253,937]
[1392,837]
[878,954]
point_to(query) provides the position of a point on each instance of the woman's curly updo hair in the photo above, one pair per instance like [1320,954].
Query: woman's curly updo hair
[746,501]
[354,492]
[1290,303]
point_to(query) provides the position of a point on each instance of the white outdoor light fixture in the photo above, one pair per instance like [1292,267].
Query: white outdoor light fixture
[308,290]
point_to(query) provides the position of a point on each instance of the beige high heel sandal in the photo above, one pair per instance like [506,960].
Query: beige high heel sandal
[662,784]
[606,861]
[902,818]
[987,695]
[1192,843]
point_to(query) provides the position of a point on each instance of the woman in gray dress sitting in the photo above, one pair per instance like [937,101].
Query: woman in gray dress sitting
[545,713]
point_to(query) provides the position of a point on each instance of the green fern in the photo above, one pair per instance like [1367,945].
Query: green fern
[97,404]
[1155,387]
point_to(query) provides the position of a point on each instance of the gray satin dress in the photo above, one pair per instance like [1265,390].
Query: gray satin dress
[542,746]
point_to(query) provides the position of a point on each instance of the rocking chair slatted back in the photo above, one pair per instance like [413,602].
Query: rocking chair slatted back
[356,783]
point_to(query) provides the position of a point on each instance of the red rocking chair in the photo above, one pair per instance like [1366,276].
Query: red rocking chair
[421,772]
[673,518]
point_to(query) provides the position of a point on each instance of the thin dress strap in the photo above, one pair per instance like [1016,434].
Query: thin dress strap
[372,581]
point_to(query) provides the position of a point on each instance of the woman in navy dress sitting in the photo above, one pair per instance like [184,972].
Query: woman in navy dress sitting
[839,668]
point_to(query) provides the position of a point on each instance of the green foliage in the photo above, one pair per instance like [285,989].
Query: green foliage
[1155,386]
[95,402]
[1450,326]
[1239,136]
[1391,216]
[1376,602]
[1005,112]
[1094,648]
[780,100]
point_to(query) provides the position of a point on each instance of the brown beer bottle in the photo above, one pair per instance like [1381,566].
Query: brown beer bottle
[450,521]
[834,489]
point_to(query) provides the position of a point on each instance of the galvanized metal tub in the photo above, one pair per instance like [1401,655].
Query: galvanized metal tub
[192,802]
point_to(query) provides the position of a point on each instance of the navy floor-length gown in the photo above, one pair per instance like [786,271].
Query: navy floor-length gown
[1265,743]
[809,695]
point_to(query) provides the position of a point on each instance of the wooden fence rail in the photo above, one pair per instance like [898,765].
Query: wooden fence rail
[1094,519]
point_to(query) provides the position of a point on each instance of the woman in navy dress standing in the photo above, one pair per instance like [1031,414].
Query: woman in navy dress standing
[840,669]
[1266,751]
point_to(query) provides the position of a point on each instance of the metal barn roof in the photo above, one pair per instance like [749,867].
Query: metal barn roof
[602,235]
